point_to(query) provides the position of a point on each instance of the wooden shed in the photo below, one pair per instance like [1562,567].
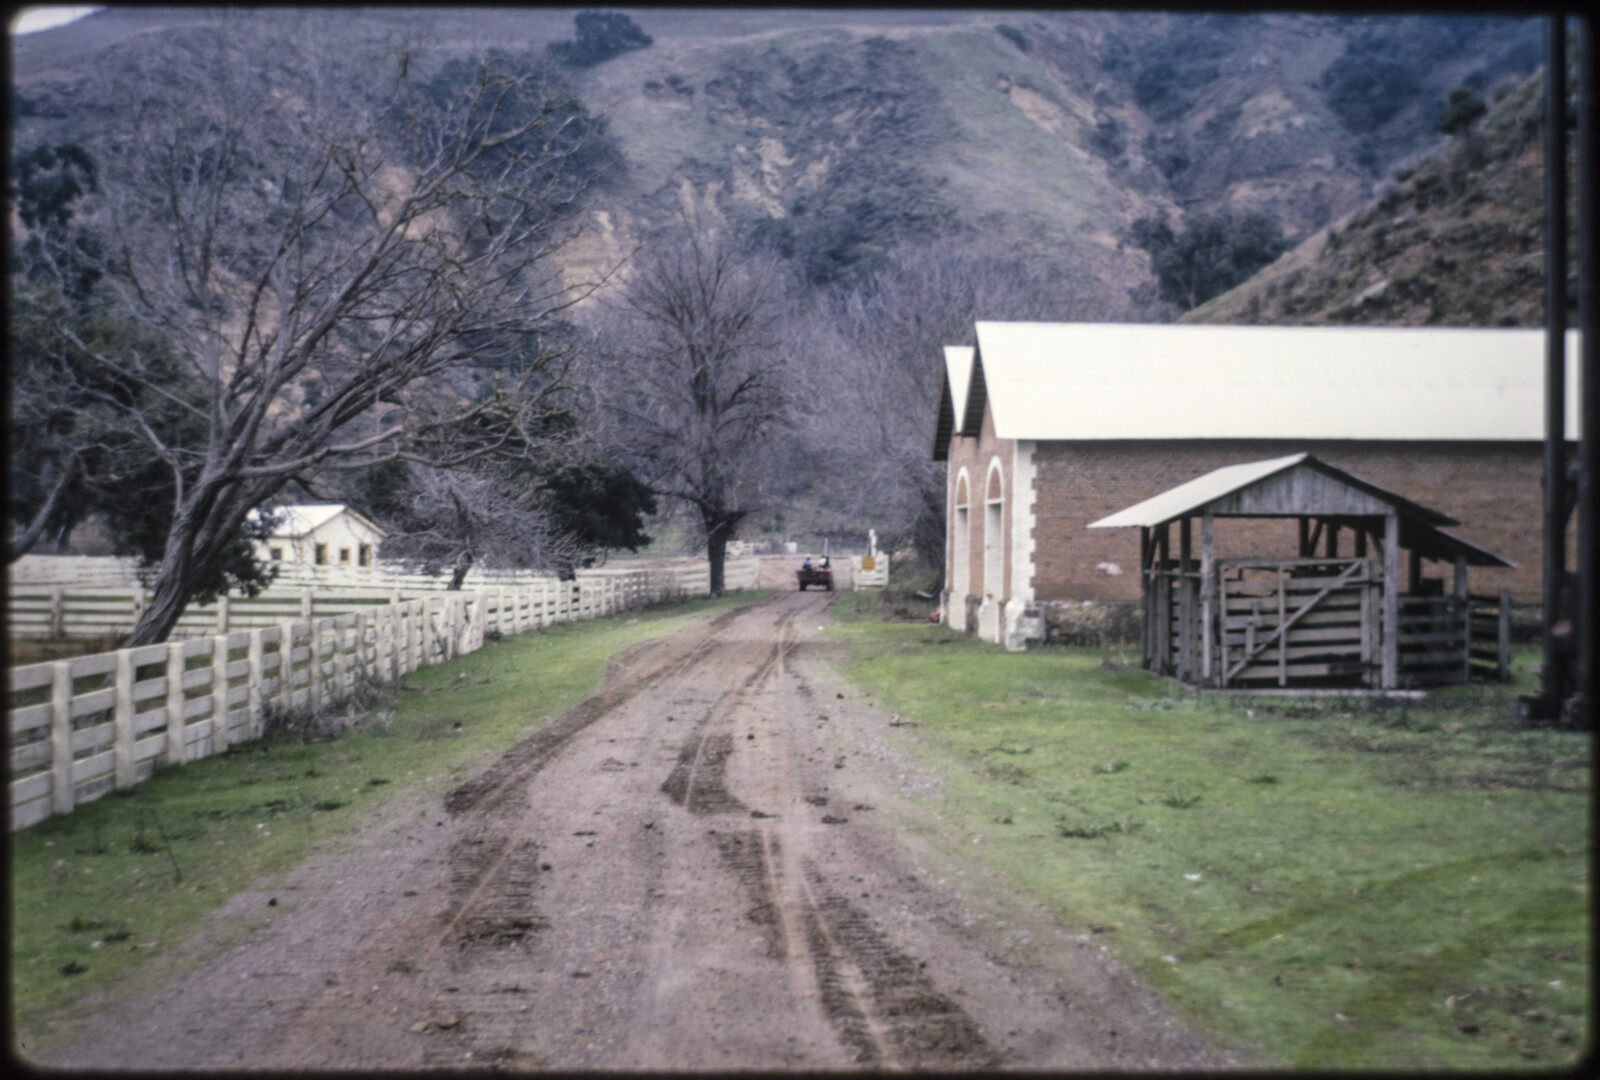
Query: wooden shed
[1325,616]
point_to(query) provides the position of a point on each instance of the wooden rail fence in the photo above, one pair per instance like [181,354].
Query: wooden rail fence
[82,727]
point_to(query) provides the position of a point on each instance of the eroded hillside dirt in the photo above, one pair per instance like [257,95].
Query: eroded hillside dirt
[702,867]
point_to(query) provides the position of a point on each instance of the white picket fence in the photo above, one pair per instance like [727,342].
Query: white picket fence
[80,728]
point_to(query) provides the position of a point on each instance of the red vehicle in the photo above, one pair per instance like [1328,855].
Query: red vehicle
[810,574]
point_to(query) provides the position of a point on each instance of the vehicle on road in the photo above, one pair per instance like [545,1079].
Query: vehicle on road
[812,574]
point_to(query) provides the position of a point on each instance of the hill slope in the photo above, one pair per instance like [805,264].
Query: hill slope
[1456,239]
[840,136]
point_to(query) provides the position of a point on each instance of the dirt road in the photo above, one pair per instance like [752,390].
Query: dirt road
[702,867]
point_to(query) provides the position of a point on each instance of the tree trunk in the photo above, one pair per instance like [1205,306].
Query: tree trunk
[459,575]
[719,530]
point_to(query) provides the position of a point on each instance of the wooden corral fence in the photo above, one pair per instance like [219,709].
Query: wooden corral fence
[1320,618]
[80,728]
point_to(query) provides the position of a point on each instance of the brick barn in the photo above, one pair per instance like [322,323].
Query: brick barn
[1047,427]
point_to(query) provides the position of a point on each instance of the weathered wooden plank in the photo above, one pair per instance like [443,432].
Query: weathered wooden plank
[30,718]
[30,677]
[1408,638]
[31,756]
[1300,671]
[98,701]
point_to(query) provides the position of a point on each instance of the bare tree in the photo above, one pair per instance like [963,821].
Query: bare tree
[879,347]
[319,231]
[461,518]
[700,386]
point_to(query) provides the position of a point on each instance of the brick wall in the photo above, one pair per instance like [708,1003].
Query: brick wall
[1494,489]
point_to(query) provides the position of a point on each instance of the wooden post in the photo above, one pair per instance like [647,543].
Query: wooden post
[1333,539]
[1504,672]
[314,672]
[1304,549]
[1367,635]
[286,664]
[1163,602]
[255,654]
[305,603]
[222,613]
[364,669]
[175,700]
[1463,611]
[122,719]
[1147,595]
[1208,597]
[61,793]
[58,613]
[1361,541]
[1186,651]
[219,694]
[341,665]
[1391,601]
[1283,633]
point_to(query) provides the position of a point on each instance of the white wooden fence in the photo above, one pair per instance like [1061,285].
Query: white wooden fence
[82,727]
[80,597]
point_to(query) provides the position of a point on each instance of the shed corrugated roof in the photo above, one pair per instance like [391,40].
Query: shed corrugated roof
[1188,497]
[1129,381]
[1418,524]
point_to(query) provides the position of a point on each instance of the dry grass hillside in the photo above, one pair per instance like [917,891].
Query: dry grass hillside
[1454,239]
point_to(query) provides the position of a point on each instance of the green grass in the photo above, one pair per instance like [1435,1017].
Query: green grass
[1336,883]
[97,893]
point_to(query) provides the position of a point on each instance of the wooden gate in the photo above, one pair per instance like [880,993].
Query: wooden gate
[1299,619]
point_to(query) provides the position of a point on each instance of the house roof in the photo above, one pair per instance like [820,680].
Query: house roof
[1299,484]
[303,520]
[1101,381]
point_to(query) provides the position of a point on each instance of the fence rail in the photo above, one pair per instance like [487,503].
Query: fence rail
[82,727]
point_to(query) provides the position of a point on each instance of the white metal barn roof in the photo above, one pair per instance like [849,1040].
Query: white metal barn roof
[1134,381]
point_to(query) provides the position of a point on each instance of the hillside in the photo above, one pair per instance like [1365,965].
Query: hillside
[1454,239]
[840,136]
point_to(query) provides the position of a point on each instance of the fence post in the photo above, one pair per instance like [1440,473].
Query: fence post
[138,603]
[219,694]
[1504,672]
[314,672]
[175,700]
[58,613]
[61,793]
[122,719]
[222,613]
[305,603]
[255,682]
[341,666]
[286,664]
[365,670]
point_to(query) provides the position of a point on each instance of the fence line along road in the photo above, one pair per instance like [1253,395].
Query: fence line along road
[82,727]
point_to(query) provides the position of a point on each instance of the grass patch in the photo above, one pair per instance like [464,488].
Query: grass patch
[98,892]
[1340,883]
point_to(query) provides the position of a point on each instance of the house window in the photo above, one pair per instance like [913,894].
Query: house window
[364,554]
[276,553]
[344,556]
[322,555]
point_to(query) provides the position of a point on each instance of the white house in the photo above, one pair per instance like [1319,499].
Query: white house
[320,541]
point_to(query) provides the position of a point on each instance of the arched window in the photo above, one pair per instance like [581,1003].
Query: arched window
[961,542]
[994,523]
